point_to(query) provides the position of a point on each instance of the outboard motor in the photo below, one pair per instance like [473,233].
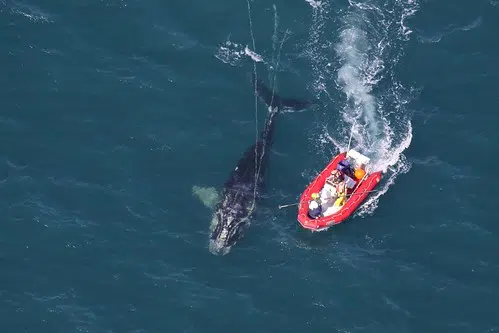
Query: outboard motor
[314,209]
[345,167]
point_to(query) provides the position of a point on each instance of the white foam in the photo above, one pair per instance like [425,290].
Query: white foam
[356,77]
[253,55]
[29,11]
[409,8]
[314,4]
[230,53]
[233,53]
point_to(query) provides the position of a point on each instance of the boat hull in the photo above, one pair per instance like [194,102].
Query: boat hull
[357,196]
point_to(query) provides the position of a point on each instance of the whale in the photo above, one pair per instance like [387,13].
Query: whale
[234,206]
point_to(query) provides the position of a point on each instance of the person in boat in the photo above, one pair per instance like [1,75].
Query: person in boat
[334,189]
[345,167]
[314,207]
[337,180]
[341,192]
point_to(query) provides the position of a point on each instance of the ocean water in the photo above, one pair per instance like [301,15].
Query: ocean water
[113,112]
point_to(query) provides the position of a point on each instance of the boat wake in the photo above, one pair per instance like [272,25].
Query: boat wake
[372,107]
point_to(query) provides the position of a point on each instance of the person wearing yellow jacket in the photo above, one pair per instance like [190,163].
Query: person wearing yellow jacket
[341,191]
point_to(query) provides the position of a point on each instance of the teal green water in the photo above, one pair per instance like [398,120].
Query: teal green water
[112,111]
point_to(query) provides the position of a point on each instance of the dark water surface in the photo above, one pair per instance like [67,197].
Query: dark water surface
[112,111]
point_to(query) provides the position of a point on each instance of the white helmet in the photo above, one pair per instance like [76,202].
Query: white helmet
[313,205]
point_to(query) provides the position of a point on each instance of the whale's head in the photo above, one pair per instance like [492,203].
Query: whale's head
[226,230]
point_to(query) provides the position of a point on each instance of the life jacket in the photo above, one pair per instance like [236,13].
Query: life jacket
[341,192]
[339,202]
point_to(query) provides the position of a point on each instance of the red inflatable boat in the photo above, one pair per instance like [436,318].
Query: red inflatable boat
[321,207]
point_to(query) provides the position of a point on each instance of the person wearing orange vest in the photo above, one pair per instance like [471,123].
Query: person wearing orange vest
[337,179]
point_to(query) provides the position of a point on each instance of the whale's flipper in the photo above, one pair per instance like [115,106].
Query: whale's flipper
[208,195]
[296,104]
[273,100]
